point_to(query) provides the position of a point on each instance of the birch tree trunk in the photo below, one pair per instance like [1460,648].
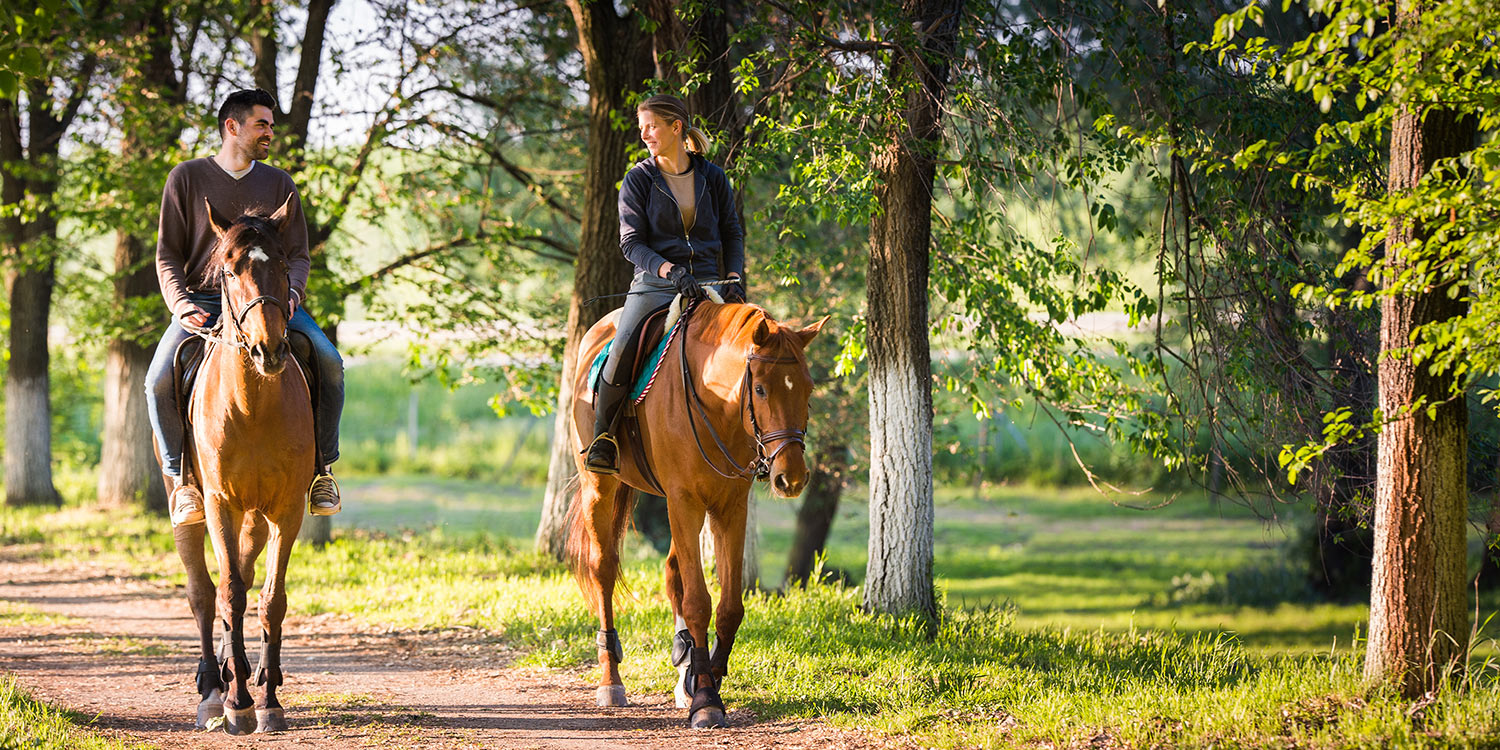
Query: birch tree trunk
[1419,624]
[28,286]
[898,579]
[617,59]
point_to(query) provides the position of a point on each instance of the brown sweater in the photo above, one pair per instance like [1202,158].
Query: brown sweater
[185,241]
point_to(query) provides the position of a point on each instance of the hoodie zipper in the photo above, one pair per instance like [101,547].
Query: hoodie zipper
[692,254]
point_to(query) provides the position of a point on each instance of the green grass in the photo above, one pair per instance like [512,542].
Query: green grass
[28,724]
[1056,634]
[20,615]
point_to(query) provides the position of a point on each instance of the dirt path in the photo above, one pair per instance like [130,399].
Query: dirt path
[125,650]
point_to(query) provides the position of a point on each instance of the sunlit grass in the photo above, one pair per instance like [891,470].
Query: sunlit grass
[28,724]
[1055,633]
[16,614]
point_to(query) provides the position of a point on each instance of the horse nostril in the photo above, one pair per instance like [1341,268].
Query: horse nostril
[782,484]
[258,351]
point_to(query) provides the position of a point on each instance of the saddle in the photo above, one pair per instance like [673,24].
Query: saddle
[651,337]
[188,359]
[642,369]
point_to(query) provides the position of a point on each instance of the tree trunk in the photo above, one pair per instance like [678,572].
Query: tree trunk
[29,281]
[815,518]
[28,405]
[616,56]
[898,579]
[128,470]
[1419,625]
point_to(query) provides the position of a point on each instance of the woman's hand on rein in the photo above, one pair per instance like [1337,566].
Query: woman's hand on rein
[686,285]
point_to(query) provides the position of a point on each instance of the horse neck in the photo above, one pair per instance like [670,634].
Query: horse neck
[240,387]
[718,360]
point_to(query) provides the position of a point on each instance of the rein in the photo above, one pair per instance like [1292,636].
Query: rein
[760,466]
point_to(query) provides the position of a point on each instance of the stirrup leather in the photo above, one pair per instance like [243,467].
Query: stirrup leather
[599,468]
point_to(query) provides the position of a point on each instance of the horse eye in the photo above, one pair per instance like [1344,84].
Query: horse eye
[760,390]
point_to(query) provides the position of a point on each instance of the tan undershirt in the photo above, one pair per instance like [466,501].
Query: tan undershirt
[682,190]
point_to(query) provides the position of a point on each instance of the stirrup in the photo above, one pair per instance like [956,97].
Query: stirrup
[323,510]
[607,469]
[187,505]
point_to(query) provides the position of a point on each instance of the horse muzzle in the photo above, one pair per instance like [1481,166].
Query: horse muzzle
[269,361]
[789,473]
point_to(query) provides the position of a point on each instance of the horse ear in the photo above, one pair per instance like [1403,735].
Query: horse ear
[215,221]
[806,335]
[762,333]
[283,215]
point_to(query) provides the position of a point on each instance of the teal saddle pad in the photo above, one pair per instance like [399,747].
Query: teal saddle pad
[646,373]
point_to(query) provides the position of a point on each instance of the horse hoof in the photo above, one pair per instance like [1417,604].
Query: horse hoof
[679,691]
[211,707]
[610,695]
[270,720]
[708,717]
[239,721]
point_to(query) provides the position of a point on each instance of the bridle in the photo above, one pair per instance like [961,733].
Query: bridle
[237,338]
[760,467]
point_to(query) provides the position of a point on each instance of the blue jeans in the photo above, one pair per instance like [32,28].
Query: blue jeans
[161,403]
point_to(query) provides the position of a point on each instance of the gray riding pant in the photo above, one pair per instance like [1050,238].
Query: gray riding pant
[648,292]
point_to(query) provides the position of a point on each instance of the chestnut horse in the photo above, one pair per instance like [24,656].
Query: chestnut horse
[735,382]
[252,448]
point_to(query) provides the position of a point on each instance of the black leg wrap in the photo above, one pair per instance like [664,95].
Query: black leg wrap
[718,658]
[701,662]
[208,677]
[609,640]
[682,644]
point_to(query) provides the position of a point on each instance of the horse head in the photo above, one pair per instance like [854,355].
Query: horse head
[779,386]
[255,283]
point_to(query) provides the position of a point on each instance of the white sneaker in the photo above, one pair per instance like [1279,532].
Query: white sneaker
[186,502]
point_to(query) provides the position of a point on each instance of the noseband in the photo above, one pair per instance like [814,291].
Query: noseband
[760,467]
[239,317]
[237,338]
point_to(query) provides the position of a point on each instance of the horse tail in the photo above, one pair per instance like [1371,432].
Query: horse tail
[579,548]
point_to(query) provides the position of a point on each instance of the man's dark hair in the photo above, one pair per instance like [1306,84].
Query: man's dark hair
[240,104]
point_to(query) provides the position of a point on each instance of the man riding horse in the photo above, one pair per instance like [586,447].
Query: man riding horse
[236,182]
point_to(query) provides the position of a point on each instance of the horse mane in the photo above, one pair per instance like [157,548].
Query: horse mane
[736,324]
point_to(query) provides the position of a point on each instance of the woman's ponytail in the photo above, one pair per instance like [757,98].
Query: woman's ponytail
[696,140]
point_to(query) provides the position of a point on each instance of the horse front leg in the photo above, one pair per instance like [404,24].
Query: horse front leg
[692,605]
[200,591]
[224,524]
[269,714]
[729,531]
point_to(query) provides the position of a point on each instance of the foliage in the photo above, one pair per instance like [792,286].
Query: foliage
[1357,55]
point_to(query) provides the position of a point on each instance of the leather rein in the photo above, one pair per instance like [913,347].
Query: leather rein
[760,466]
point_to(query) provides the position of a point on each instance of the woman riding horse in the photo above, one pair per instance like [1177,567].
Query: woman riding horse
[678,225]
[731,377]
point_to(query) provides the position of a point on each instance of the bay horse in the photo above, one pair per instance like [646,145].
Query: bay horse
[251,430]
[736,376]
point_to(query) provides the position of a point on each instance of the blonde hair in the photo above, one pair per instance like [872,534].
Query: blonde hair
[671,109]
